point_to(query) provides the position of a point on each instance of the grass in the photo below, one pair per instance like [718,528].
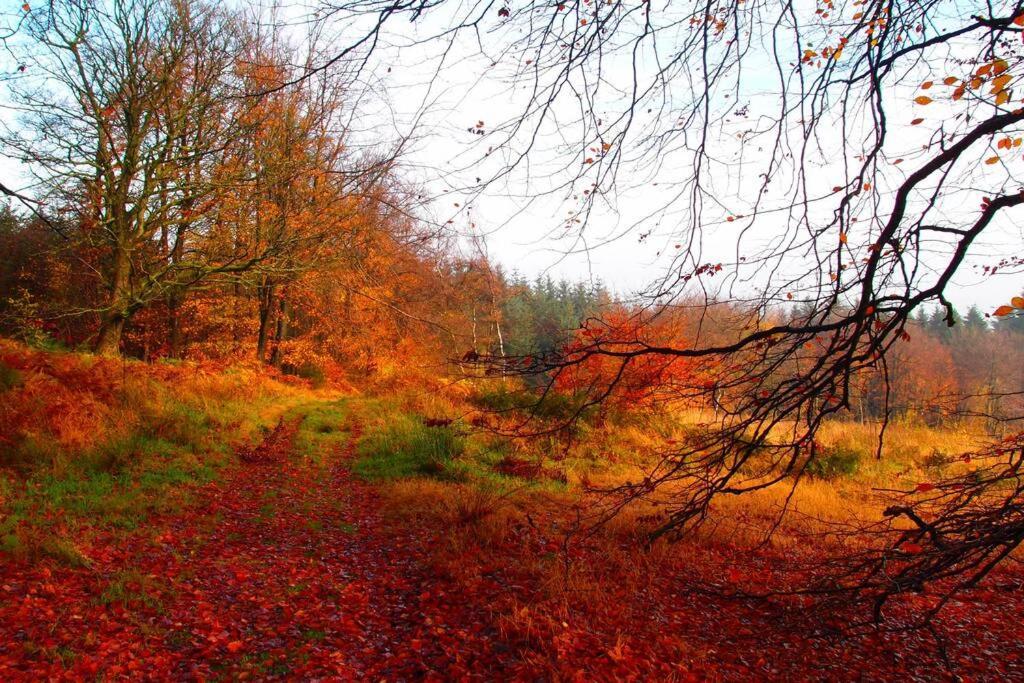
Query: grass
[481,512]
[404,447]
[90,444]
[131,589]
[835,462]
[323,431]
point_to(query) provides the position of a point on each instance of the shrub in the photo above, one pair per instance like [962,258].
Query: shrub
[835,462]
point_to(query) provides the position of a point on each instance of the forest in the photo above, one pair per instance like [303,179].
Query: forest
[484,340]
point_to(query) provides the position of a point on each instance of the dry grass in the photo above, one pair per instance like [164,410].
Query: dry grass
[90,443]
[591,585]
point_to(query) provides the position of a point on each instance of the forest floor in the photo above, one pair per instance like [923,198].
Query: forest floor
[288,565]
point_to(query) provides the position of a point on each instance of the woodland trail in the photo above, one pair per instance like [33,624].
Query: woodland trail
[281,569]
[290,567]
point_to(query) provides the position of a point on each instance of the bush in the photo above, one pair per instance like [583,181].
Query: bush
[9,378]
[835,462]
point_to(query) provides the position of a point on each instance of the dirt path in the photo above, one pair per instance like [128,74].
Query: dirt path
[282,569]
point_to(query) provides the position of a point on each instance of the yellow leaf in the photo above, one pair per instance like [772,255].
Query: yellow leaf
[999,83]
[1003,97]
[999,66]
[1017,302]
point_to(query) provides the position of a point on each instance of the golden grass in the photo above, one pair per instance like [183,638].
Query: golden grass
[63,404]
[479,523]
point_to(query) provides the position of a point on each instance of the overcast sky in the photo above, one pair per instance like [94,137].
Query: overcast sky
[524,227]
[632,239]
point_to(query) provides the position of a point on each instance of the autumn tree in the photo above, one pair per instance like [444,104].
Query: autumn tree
[126,109]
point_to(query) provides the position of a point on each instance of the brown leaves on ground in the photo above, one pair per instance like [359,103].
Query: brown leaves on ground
[294,570]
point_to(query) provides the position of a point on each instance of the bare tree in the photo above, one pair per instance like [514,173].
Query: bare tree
[869,146]
[127,104]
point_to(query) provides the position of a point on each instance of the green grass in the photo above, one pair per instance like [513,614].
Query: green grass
[117,484]
[131,589]
[396,444]
[407,448]
[552,406]
[323,430]
[834,463]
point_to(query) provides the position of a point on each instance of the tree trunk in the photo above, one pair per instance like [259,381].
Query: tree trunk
[174,326]
[276,358]
[109,341]
[176,297]
[266,295]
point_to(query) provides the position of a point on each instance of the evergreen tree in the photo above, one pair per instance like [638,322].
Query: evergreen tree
[975,321]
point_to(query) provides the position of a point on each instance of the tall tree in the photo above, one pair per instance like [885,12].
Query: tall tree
[126,110]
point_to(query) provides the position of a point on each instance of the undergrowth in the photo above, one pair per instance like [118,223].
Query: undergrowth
[89,444]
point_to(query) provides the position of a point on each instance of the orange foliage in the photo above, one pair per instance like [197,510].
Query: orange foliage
[607,356]
[75,402]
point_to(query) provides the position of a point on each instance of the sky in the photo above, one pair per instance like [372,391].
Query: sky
[630,241]
[438,99]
